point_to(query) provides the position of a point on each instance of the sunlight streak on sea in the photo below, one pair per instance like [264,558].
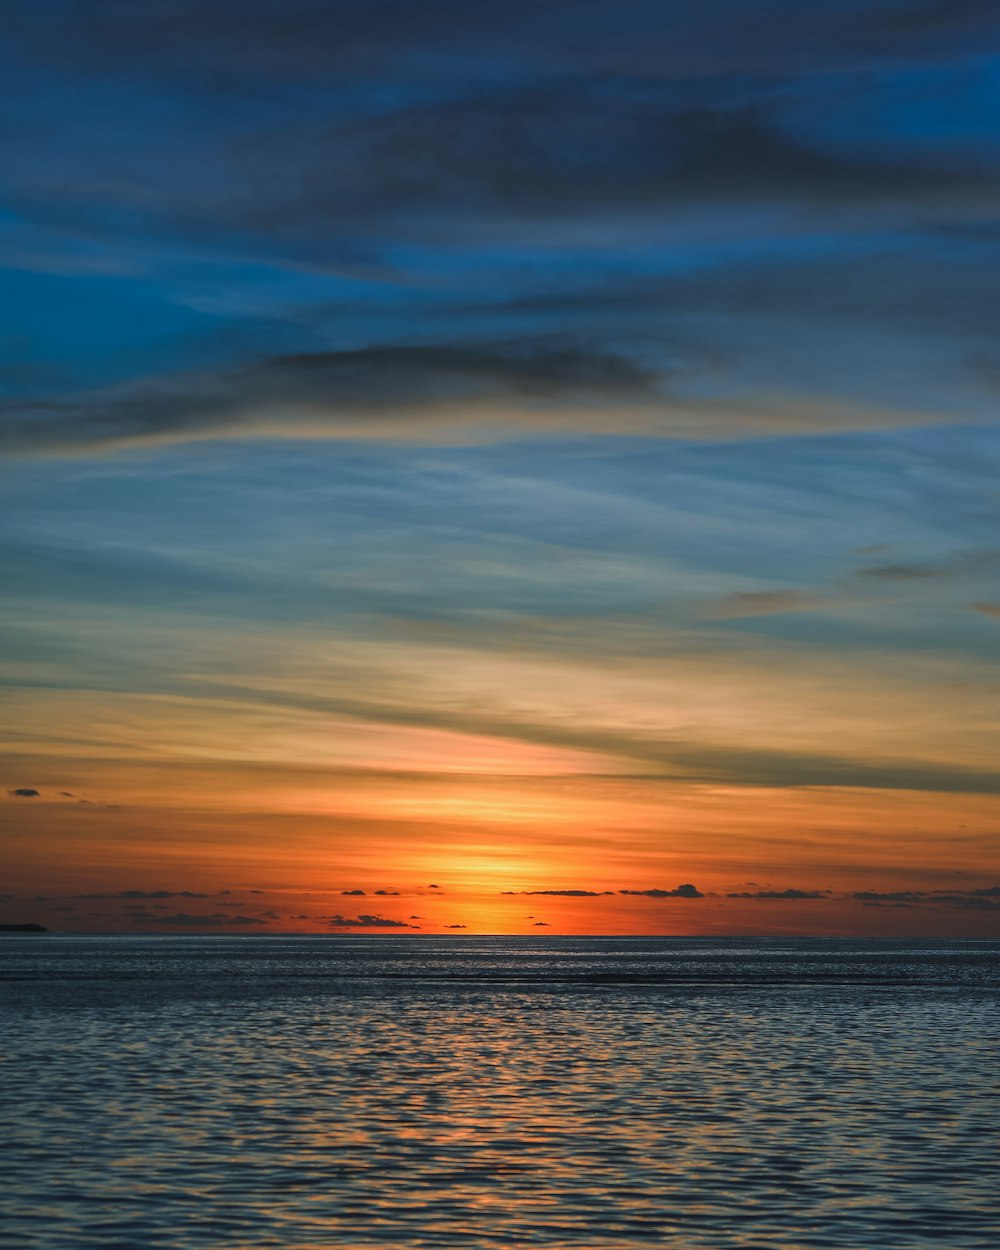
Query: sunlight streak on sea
[307,1093]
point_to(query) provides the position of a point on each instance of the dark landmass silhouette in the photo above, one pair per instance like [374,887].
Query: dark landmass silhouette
[23,928]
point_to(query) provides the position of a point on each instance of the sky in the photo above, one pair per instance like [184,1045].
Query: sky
[508,468]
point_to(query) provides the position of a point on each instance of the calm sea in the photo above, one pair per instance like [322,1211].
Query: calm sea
[337,1092]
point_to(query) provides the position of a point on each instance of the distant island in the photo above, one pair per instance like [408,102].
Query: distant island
[23,928]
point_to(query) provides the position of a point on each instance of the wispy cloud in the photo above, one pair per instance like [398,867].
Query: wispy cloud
[764,603]
[192,921]
[461,393]
[366,921]
[134,894]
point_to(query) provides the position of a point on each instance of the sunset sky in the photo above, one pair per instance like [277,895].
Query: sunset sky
[512,468]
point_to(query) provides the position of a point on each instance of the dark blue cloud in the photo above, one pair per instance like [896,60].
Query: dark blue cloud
[212,185]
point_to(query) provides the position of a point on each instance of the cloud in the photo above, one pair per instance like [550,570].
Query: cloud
[535,155]
[146,894]
[961,564]
[455,926]
[585,139]
[764,603]
[774,895]
[937,18]
[366,921]
[663,753]
[420,392]
[542,924]
[887,896]
[24,792]
[359,893]
[681,891]
[558,893]
[186,920]
[966,900]
[987,609]
[982,899]
[388,893]
[490,158]
[452,394]
[898,572]
[300,42]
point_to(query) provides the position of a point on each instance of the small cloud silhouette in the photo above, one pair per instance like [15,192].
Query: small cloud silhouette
[455,926]
[781,894]
[366,921]
[681,891]
[353,893]
[886,896]
[557,893]
[24,792]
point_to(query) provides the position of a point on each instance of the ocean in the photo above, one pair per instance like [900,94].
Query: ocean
[306,1093]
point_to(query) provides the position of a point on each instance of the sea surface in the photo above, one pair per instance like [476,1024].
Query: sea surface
[237,1093]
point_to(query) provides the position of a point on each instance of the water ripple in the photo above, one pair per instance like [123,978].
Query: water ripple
[230,1105]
